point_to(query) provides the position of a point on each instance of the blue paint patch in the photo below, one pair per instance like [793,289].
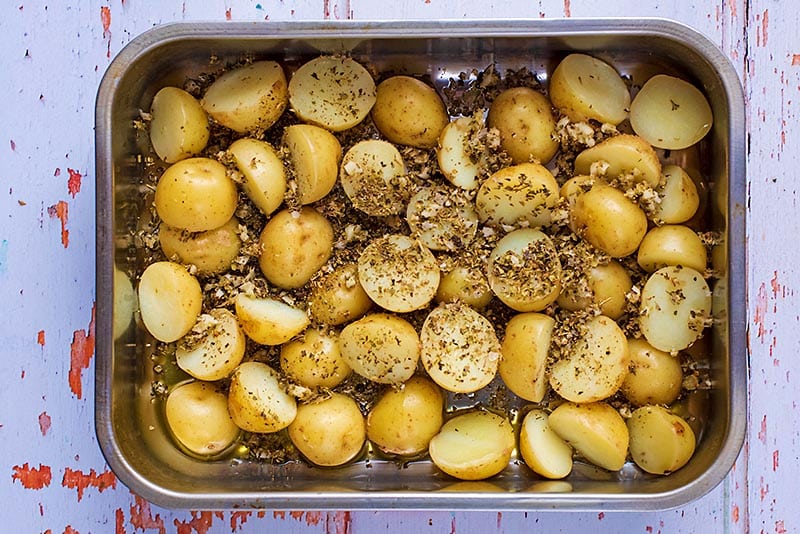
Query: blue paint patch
[3,256]
[258,6]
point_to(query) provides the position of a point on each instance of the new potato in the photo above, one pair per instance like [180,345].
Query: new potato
[257,401]
[381,347]
[409,112]
[211,252]
[525,120]
[315,360]
[263,172]
[179,126]
[219,350]
[595,430]
[170,300]
[541,448]
[660,442]
[197,415]
[337,297]
[525,346]
[314,154]
[329,432]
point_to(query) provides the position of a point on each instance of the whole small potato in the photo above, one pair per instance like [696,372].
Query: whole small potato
[263,172]
[622,154]
[583,87]
[595,430]
[170,300]
[330,432]
[215,348]
[655,376]
[460,350]
[315,360]
[605,218]
[473,445]
[672,244]
[525,120]
[212,251]
[179,126]
[381,347]
[596,366]
[525,347]
[409,112]
[608,286]
[196,194]
[467,284]
[541,448]
[398,273]
[526,192]
[257,401]
[337,297]
[294,245]
[314,154]
[404,420]
[269,321]
[679,196]
[248,99]
[373,176]
[660,442]
[197,415]
[524,270]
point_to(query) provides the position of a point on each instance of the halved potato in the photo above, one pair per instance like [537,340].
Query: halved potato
[216,348]
[264,175]
[453,155]
[381,347]
[211,252]
[257,401]
[197,415]
[179,126]
[525,347]
[315,155]
[373,177]
[595,430]
[624,154]
[541,448]
[527,193]
[170,300]
[268,321]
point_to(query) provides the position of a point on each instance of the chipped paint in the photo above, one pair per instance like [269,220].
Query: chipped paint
[60,211]
[44,423]
[142,517]
[74,182]
[80,481]
[81,352]
[40,340]
[33,478]
[201,523]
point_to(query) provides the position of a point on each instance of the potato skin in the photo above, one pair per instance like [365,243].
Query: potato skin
[409,112]
[212,251]
[197,415]
[330,432]
[526,123]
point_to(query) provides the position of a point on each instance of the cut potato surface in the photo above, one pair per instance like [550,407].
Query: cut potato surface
[268,321]
[679,196]
[334,92]
[315,155]
[179,126]
[453,154]
[541,448]
[264,175]
[257,401]
[216,348]
[211,252]
[596,431]
[525,347]
[381,347]
[521,193]
[373,178]
[622,154]
[660,442]
[443,218]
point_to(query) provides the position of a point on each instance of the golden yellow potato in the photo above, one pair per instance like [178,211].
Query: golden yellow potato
[660,442]
[525,347]
[524,270]
[576,186]
[541,448]
[197,416]
[675,307]
[622,154]
[330,432]
[211,252]
[525,192]
[334,92]
[294,246]
[214,348]
[381,347]
[314,154]
[473,445]
[337,297]
[583,87]
[263,172]
[670,113]
[257,401]
[525,120]
[398,273]
[409,112]
[608,285]
[170,300]
[315,360]
[672,244]
[404,420]
[595,430]
[442,218]
[679,196]
[655,376]
[179,126]
[607,220]
[196,194]
[453,154]
[248,99]
[467,284]
[268,321]
[460,350]
[373,177]
[596,366]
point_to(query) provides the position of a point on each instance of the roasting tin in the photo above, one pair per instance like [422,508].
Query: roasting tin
[129,424]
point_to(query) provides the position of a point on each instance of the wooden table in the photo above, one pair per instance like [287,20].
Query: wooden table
[52,475]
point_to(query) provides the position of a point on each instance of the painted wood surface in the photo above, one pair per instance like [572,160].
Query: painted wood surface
[52,475]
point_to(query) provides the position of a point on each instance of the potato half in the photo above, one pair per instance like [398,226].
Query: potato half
[595,430]
[541,448]
[211,252]
[525,347]
[268,321]
[660,442]
[527,192]
[197,415]
[337,297]
[179,126]
[655,376]
[214,348]
[315,360]
[263,172]
[373,177]
[257,401]
[381,347]
[453,154]
[314,154]
[623,154]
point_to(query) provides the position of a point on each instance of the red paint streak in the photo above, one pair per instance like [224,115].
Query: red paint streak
[61,211]
[567,9]
[40,338]
[763,489]
[313,518]
[453,525]
[41,509]
[338,523]
[499,519]
[44,423]
[601,516]
[238,519]
[735,513]
[13,145]
[278,514]
[200,522]
[775,458]
[31,477]
[74,182]
[762,433]
[228,14]
[795,60]
[105,18]
[57,172]
[649,529]
[70,530]
[81,351]
[779,527]
[142,518]
[79,480]
[326,9]
[761,310]
[764,26]
[261,514]
[732,7]
[776,286]
[297,516]
[119,525]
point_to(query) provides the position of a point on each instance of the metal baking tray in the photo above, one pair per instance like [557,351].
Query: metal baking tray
[129,426]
